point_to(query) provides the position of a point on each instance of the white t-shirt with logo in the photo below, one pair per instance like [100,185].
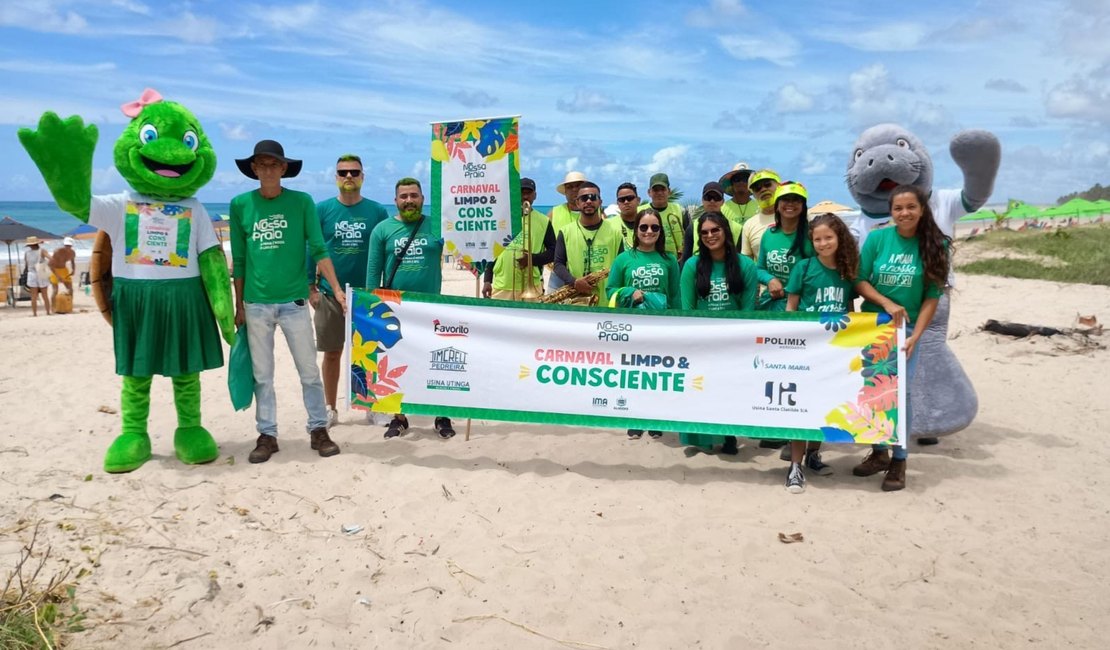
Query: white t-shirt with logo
[153,239]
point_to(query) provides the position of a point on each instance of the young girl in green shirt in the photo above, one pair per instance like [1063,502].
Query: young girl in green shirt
[823,284]
[784,244]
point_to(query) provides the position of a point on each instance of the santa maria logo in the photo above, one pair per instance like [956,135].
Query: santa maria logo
[448,359]
[759,362]
[787,343]
[450,329]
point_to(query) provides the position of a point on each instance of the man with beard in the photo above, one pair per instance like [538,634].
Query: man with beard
[405,255]
[763,184]
[588,245]
[346,221]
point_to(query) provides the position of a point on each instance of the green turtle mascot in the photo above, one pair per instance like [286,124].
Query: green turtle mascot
[171,293]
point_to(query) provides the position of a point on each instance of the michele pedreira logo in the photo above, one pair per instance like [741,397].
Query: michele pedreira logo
[453,330]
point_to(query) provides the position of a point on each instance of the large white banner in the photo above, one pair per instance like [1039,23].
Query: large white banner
[821,377]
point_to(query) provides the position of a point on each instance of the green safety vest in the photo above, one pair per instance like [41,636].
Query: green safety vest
[583,258]
[561,215]
[733,226]
[506,275]
[628,233]
[737,213]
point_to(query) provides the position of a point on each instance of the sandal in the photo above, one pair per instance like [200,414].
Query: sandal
[443,428]
[397,427]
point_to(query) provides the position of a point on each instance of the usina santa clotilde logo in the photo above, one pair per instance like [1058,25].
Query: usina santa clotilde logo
[456,330]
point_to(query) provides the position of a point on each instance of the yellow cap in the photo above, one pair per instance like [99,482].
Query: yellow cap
[763,174]
[796,189]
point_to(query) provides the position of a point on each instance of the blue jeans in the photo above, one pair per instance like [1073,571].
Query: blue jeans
[900,452]
[296,324]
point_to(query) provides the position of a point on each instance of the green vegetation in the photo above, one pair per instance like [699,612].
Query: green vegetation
[33,615]
[1094,193]
[1081,255]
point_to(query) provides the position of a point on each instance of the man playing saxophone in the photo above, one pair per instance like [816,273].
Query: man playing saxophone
[586,248]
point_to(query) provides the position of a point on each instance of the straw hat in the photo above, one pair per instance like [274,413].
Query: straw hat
[740,168]
[571,177]
[32,241]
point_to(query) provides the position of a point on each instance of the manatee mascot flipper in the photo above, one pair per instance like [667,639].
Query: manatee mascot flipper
[171,289]
[942,398]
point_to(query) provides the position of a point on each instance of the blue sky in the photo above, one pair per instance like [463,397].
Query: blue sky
[618,90]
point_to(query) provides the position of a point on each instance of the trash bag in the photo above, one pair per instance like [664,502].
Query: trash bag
[240,372]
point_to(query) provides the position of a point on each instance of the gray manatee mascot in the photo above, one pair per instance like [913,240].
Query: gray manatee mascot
[885,156]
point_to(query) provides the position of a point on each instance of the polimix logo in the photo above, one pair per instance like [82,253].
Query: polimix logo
[456,330]
[787,343]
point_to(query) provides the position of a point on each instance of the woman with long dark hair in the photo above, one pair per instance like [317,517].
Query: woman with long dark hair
[718,279]
[902,272]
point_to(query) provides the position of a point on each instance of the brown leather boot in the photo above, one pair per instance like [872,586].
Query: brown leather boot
[895,478]
[876,461]
[322,443]
[265,447]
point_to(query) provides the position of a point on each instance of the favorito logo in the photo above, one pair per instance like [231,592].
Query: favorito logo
[458,329]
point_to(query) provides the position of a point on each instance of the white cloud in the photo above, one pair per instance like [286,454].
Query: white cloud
[234,131]
[812,164]
[771,45]
[590,101]
[669,160]
[1081,99]
[791,99]
[106,179]
[193,29]
[887,37]
[871,99]
[41,17]
[132,6]
[717,13]
[55,67]
[290,18]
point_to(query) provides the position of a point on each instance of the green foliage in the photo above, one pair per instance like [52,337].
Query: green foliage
[1094,193]
[36,612]
[1082,255]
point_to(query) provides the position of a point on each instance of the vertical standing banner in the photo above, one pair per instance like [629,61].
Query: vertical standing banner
[476,187]
[830,377]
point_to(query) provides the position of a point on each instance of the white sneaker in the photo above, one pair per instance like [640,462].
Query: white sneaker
[333,417]
[796,479]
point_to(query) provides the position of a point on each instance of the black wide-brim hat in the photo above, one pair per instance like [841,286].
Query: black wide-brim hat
[273,149]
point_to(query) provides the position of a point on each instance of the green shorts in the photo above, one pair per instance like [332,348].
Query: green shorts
[330,325]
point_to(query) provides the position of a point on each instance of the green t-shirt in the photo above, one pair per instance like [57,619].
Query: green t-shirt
[820,288]
[776,262]
[347,231]
[891,263]
[648,272]
[268,240]
[719,298]
[419,269]
[673,231]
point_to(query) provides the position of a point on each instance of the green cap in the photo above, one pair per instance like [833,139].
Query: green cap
[659,179]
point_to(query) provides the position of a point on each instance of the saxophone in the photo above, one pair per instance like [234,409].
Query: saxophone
[568,295]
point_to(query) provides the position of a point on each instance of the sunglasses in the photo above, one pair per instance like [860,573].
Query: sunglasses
[713,196]
[353,173]
[762,184]
[626,199]
[653,227]
[710,231]
[589,197]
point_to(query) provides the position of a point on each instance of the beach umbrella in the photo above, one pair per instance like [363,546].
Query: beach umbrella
[828,206]
[84,231]
[1073,208]
[13,231]
[1024,211]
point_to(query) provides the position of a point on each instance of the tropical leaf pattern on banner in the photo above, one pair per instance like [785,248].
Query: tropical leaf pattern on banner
[374,328]
[490,139]
[873,417]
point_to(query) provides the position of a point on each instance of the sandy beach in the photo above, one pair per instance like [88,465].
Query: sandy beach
[545,537]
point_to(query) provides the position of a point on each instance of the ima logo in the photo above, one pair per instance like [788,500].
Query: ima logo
[459,329]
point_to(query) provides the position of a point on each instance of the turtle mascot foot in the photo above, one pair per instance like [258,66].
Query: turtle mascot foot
[942,399]
[170,289]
